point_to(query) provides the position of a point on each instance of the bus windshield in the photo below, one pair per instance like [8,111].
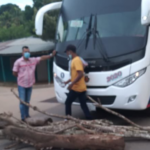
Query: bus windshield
[118,24]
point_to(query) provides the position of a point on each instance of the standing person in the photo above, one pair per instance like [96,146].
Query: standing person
[77,88]
[24,70]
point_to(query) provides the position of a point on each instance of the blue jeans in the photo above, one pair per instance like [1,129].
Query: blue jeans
[24,95]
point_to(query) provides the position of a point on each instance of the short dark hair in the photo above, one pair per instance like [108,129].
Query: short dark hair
[26,47]
[70,48]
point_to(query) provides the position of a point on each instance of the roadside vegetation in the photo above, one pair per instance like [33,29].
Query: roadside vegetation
[16,23]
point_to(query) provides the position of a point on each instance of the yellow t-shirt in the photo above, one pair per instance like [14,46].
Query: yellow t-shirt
[76,65]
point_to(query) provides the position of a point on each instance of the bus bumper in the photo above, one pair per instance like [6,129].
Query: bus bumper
[133,97]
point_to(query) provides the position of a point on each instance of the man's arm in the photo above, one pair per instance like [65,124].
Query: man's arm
[46,57]
[68,81]
[80,75]
[15,74]
[16,68]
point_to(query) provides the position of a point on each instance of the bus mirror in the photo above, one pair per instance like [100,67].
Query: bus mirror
[40,16]
[145,14]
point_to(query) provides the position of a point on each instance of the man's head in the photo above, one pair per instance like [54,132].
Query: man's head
[71,51]
[26,52]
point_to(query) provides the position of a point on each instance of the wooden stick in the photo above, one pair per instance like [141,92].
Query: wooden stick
[12,146]
[118,115]
[85,130]
[61,131]
[45,113]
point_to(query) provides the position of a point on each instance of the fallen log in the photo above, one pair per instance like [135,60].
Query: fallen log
[78,120]
[7,120]
[123,131]
[65,133]
[41,141]
[71,127]
[61,125]
[117,114]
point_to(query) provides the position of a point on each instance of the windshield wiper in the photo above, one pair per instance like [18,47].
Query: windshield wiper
[88,32]
[93,31]
[101,46]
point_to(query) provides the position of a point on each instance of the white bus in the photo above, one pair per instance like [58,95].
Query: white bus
[113,36]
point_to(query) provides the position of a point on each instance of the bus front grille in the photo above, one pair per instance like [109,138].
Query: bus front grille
[104,100]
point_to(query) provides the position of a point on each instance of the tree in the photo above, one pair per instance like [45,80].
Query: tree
[9,8]
[49,27]
[16,23]
[28,13]
[39,3]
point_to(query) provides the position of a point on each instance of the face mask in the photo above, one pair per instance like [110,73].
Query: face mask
[27,55]
[70,57]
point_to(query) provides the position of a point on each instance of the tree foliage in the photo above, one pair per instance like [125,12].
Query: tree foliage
[16,23]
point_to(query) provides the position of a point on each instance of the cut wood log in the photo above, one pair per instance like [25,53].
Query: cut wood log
[123,131]
[38,121]
[3,124]
[6,118]
[40,141]
[71,127]
[61,125]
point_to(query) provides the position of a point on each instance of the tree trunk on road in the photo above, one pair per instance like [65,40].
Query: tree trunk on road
[40,140]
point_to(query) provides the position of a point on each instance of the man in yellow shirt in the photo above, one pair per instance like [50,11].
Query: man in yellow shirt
[77,88]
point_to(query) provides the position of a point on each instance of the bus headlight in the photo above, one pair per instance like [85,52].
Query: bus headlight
[130,79]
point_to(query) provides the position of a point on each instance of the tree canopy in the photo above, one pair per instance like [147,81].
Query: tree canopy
[16,23]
